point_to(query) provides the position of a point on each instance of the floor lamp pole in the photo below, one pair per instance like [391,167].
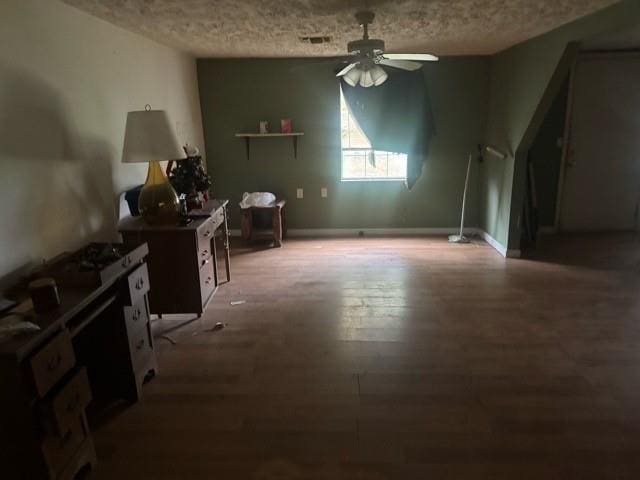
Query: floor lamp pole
[461,238]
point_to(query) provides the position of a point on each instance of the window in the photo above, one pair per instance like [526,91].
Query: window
[359,161]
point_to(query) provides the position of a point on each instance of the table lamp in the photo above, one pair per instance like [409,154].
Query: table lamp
[149,138]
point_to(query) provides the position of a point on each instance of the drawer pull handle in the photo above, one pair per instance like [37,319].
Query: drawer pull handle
[140,344]
[207,233]
[136,315]
[67,436]
[205,253]
[54,362]
[140,284]
[126,261]
[208,280]
[73,403]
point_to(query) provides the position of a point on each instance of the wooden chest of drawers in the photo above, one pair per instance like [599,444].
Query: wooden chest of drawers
[97,341]
[182,259]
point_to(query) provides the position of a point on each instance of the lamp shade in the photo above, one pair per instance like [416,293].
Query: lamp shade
[149,137]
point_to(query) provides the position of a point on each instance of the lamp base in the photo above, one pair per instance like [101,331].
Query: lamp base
[458,239]
[158,202]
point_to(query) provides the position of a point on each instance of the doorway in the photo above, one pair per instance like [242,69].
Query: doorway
[601,187]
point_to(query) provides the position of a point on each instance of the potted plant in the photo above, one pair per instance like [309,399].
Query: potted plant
[189,178]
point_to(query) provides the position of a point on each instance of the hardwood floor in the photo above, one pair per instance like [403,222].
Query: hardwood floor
[394,359]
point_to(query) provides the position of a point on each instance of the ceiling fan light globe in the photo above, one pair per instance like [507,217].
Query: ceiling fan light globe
[352,77]
[378,75]
[366,80]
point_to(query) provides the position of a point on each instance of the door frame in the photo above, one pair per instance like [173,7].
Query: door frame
[566,142]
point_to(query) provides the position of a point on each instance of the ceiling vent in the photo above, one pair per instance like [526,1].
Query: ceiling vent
[315,40]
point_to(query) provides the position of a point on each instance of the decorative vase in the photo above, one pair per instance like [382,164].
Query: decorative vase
[158,202]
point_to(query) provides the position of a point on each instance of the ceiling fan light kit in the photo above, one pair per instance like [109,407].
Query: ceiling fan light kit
[367,56]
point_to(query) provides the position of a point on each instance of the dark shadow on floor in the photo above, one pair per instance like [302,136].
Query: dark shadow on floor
[601,251]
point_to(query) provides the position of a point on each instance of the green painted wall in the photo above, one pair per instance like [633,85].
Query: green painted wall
[236,94]
[67,81]
[524,81]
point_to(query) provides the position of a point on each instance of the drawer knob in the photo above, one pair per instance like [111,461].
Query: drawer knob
[54,362]
[65,439]
[73,403]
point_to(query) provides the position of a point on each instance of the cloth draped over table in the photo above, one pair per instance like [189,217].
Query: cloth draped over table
[395,116]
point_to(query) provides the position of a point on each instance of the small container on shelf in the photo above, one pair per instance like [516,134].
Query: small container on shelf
[286,126]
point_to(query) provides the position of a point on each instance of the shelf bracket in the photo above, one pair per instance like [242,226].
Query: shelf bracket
[247,143]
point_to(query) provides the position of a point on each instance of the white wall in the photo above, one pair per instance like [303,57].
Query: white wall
[67,80]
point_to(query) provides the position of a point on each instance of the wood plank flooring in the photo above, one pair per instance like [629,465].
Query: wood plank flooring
[395,358]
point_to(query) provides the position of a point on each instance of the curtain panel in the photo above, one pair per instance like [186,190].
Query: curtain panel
[396,116]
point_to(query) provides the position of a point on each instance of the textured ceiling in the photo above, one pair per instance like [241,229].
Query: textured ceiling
[271,28]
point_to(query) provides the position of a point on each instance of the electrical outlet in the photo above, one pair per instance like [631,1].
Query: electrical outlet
[323,192]
[299,193]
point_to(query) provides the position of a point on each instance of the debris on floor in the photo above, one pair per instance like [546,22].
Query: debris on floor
[238,302]
[168,339]
[216,327]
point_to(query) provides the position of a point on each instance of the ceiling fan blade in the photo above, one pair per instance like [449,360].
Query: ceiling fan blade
[401,64]
[346,69]
[420,57]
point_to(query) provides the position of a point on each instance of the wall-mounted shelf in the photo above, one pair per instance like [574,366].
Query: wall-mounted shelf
[248,136]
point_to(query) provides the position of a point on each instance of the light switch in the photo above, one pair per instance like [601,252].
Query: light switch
[299,193]
[323,192]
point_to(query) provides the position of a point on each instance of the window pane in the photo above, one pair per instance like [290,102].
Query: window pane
[357,153]
[353,163]
[352,135]
[397,165]
[379,167]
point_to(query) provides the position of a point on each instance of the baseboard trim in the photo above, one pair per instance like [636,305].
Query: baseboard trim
[501,249]
[372,232]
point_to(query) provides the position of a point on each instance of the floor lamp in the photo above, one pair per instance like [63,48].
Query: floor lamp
[460,238]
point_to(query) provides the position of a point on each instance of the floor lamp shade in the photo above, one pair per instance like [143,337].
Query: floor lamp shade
[149,138]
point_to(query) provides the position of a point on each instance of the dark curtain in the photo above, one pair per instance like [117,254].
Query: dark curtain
[396,116]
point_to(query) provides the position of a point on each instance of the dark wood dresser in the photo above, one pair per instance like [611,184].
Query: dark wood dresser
[183,265]
[94,349]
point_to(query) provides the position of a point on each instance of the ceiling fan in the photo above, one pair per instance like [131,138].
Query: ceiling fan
[367,55]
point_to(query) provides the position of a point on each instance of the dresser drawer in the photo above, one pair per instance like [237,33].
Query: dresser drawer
[141,347]
[59,450]
[51,362]
[138,282]
[217,219]
[67,404]
[206,232]
[83,461]
[136,317]
[207,281]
